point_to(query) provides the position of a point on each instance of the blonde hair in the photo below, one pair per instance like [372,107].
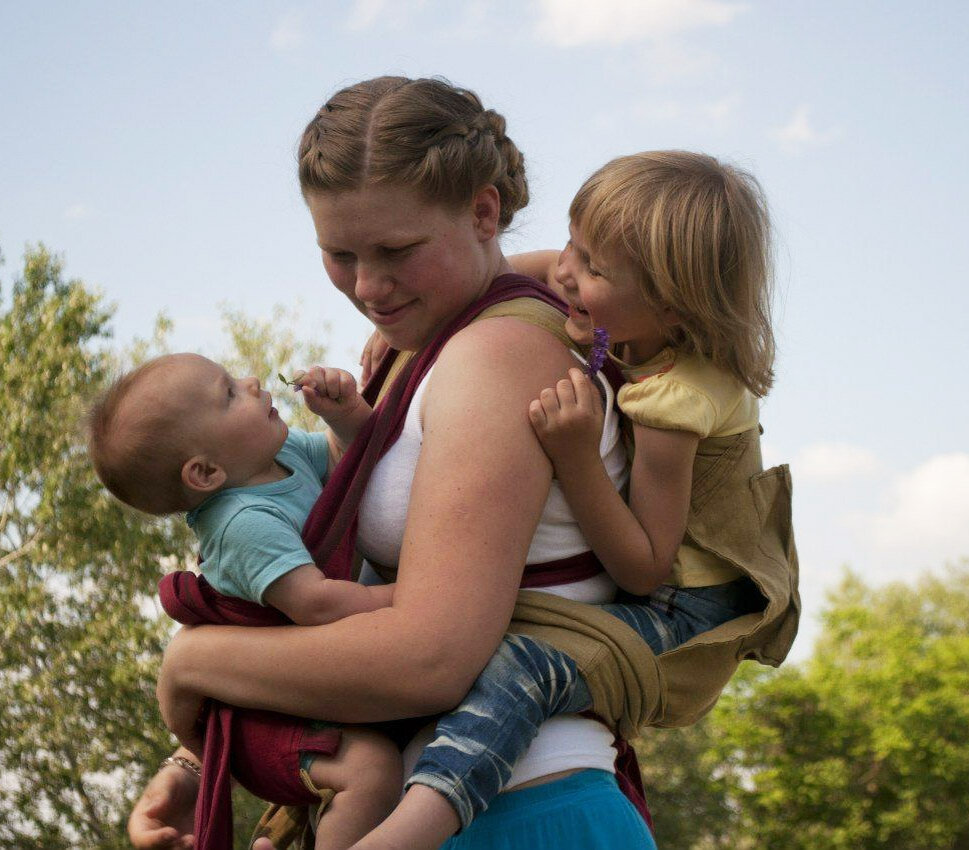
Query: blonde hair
[138,457]
[697,234]
[425,134]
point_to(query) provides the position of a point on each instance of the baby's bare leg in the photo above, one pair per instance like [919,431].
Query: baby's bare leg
[366,775]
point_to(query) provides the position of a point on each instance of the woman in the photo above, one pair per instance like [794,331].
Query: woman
[409,183]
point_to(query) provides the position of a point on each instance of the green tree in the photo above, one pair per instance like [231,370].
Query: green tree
[686,793]
[82,633]
[80,637]
[866,745]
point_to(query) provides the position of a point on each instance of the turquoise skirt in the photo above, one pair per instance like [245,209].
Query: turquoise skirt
[584,811]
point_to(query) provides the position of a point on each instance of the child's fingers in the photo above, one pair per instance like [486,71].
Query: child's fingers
[346,383]
[586,396]
[366,359]
[373,353]
[338,384]
[536,415]
[549,400]
[565,392]
[307,378]
[379,348]
[335,384]
[329,384]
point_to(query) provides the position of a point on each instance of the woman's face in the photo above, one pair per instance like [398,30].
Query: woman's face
[409,265]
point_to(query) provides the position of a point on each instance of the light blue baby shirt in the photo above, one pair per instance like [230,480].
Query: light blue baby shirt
[250,536]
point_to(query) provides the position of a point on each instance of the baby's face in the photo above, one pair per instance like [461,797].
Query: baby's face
[231,421]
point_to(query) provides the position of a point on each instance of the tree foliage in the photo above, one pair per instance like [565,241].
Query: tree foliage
[81,631]
[865,745]
[77,653]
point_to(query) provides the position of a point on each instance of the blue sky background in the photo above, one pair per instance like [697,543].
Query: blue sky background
[154,148]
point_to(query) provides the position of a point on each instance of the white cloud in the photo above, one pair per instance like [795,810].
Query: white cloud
[674,59]
[723,110]
[889,526]
[799,133]
[475,17]
[289,32]
[834,462]
[927,519]
[656,111]
[567,23]
[365,13]
[76,212]
[718,113]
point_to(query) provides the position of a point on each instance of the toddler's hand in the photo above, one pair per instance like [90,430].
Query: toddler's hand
[567,418]
[373,353]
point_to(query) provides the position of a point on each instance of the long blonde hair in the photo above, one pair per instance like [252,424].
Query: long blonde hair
[698,235]
[425,134]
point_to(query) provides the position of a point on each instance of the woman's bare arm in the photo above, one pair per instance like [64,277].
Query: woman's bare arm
[480,485]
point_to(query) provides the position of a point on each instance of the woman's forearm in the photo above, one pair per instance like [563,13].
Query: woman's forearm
[352,670]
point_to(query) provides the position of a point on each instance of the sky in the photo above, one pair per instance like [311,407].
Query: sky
[152,146]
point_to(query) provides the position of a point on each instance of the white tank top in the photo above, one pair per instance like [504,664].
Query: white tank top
[563,743]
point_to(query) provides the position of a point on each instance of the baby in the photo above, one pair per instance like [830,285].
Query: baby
[181,434]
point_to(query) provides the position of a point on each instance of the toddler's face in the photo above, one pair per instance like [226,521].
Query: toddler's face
[231,421]
[602,292]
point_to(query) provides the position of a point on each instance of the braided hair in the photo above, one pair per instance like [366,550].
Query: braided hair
[424,134]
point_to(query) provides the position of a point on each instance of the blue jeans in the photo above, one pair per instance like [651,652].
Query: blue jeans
[527,681]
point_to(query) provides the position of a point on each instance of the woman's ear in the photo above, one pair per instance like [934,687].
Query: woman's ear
[486,208]
[201,476]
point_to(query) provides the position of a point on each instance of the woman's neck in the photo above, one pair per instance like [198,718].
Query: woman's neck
[493,264]
[502,266]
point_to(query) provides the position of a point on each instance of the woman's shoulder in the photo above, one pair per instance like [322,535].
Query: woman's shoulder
[507,349]
[531,311]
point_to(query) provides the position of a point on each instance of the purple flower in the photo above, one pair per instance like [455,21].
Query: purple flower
[598,352]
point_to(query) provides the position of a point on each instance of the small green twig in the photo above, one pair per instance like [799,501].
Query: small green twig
[289,383]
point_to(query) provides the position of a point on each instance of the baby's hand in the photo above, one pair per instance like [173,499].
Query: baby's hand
[332,393]
[567,418]
[329,392]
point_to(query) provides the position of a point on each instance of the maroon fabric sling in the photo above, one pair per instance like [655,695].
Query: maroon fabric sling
[259,748]
[329,534]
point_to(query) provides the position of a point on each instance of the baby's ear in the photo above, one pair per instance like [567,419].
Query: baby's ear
[201,475]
